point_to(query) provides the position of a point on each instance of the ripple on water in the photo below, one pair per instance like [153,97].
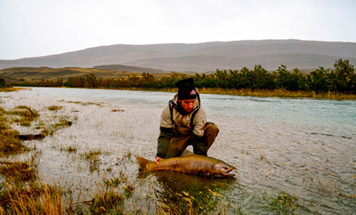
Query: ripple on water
[304,147]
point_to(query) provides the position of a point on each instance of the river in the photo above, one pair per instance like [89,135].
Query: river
[303,147]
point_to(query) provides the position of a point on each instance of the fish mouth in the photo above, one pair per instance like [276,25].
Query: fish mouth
[228,172]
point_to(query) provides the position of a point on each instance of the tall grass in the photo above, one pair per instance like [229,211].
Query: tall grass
[33,198]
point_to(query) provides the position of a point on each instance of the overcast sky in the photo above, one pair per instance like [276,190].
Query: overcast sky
[30,28]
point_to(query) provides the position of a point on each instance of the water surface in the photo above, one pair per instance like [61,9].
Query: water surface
[304,147]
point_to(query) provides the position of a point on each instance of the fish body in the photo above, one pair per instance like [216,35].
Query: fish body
[191,164]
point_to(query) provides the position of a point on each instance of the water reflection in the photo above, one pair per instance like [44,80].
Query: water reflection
[181,193]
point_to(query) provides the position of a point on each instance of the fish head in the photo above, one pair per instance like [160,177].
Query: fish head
[223,169]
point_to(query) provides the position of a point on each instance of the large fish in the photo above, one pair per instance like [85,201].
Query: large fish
[191,164]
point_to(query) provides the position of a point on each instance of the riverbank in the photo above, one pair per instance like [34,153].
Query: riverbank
[277,93]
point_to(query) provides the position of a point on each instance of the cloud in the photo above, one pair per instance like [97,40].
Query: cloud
[41,27]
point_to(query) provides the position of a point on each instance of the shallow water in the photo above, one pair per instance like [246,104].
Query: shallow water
[303,147]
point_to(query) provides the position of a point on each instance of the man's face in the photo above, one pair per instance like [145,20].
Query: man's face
[187,104]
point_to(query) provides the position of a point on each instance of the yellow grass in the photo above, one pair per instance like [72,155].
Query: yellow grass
[10,89]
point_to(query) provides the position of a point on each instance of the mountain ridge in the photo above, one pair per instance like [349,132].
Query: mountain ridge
[201,57]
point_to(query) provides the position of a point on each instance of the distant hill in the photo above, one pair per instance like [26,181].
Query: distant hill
[19,74]
[202,57]
[135,69]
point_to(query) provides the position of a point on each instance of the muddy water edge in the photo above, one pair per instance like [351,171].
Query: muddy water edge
[292,155]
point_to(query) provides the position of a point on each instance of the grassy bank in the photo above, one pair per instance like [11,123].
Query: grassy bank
[9,89]
[278,93]
[281,93]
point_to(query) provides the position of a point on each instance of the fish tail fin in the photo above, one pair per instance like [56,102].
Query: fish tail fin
[142,162]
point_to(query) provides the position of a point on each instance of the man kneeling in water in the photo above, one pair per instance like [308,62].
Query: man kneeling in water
[183,123]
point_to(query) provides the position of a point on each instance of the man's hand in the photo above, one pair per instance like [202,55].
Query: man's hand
[157,159]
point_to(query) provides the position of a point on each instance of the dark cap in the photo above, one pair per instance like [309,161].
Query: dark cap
[186,89]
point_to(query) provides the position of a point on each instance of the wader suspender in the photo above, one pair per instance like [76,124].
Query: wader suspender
[170,103]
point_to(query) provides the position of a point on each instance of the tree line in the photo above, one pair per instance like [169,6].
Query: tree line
[341,78]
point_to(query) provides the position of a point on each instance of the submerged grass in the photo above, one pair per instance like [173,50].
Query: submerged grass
[50,129]
[10,144]
[23,115]
[54,108]
[282,203]
[70,149]
[93,158]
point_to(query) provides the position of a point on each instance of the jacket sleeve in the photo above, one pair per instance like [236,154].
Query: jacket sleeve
[166,120]
[199,122]
[164,139]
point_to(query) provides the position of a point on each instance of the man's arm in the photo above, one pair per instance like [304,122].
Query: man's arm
[197,137]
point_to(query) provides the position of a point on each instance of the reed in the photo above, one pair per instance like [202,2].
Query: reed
[35,198]
[18,171]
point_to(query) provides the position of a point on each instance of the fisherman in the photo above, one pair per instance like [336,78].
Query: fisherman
[183,123]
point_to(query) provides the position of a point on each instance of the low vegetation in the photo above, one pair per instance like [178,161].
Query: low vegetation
[23,115]
[9,142]
[336,83]
[282,203]
[54,108]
